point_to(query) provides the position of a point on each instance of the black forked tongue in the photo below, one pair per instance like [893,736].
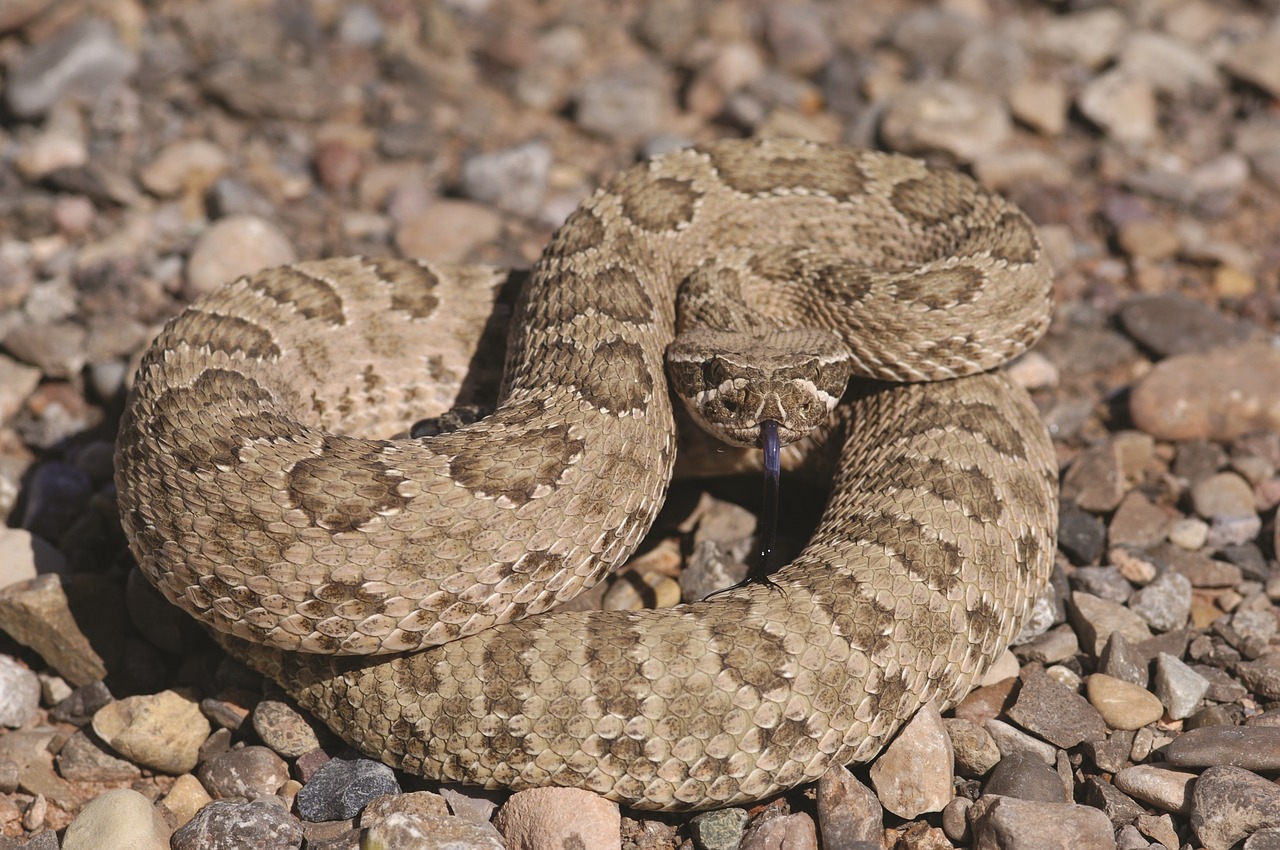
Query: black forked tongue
[769,511]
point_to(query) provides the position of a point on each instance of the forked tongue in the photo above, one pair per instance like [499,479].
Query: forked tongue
[772,472]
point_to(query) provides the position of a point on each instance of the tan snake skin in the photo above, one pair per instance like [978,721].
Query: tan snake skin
[257,494]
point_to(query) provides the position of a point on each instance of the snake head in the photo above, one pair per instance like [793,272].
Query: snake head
[733,381]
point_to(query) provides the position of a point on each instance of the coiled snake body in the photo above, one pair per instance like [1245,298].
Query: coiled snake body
[258,495]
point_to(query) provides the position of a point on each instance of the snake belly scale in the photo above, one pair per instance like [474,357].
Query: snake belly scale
[258,494]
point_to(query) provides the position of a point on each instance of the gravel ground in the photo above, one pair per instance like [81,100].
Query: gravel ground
[150,151]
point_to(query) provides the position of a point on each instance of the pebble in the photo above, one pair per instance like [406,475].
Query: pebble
[162,731]
[1103,582]
[624,105]
[1027,778]
[1262,675]
[1167,790]
[1010,740]
[117,820]
[83,759]
[1165,603]
[228,825]
[1229,803]
[1122,105]
[940,115]
[84,58]
[1255,61]
[514,180]
[1137,522]
[1249,747]
[1095,480]
[719,830]
[848,811]
[343,787]
[790,831]
[1008,823]
[1189,533]
[1096,619]
[1223,494]
[188,165]
[38,614]
[1116,805]
[1040,104]
[17,382]
[270,88]
[283,729]
[913,774]
[244,772]
[1120,659]
[1178,687]
[1218,395]
[186,797]
[955,821]
[360,25]
[1169,64]
[235,246]
[402,831]
[1053,647]
[448,230]
[1263,839]
[417,803]
[1091,37]
[799,37]
[1082,537]
[1123,705]
[55,348]
[19,693]
[1055,713]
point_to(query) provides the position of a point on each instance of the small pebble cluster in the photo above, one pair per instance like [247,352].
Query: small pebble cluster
[151,151]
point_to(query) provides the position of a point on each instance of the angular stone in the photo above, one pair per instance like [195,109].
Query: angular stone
[1178,686]
[1056,713]
[1096,619]
[1006,823]
[1229,803]
[913,774]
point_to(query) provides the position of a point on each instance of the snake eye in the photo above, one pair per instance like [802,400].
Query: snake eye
[713,372]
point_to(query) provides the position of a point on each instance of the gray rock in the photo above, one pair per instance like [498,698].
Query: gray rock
[1230,803]
[360,25]
[1165,604]
[227,825]
[1027,778]
[796,830]
[19,693]
[1122,105]
[84,58]
[1121,660]
[1007,823]
[248,772]
[1262,675]
[343,787]
[83,759]
[1056,713]
[1170,324]
[1010,740]
[991,60]
[1053,647]
[1178,686]
[624,105]
[1116,805]
[283,729]
[1170,65]
[1112,754]
[943,116]
[1263,839]
[1137,522]
[1081,535]
[1249,747]
[1103,582]
[719,830]
[514,180]
[403,831]
[1095,479]
[799,37]
[1095,620]
[1091,37]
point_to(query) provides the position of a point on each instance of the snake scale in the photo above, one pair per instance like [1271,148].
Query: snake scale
[259,492]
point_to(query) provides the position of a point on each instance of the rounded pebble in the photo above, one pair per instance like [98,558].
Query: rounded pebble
[228,825]
[163,731]
[1123,705]
[117,820]
[233,247]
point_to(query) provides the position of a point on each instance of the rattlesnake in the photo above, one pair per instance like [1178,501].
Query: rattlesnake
[258,495]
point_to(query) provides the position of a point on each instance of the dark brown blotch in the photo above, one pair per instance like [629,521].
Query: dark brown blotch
[616,377]
[532,460]
[614,291]
[658,205]
[231,335]
[941,289]
[923,556]
[757,169]
[311,296]
[936,199]
[1012,239]
[346,486]
[582,230]
[412,286]
[978,418]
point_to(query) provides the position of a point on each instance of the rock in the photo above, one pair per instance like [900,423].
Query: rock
[56,348]
[991,60]
[227,825]
[271,87]
[558,817]
[626,105]
[45,614]
[79,707]
[116,820]
[1122,105]
[1117,806]
[1091,37]
[513,180]
[185,798]
[1121,704]
[1010,740]
[940,115]
[1053,647]
[1223,494]
[1164,604]
[85,58]
[1027,778]
[19,693]
[1217,395]
[955,821]
[719,830]
[1262,675]
[1120,659]
[1178,686]
[343,787]
[1096,619]
[848,811]
[162,731]
[448,231]
[1081,535]
[402,831]
[1006,823]
[233,247]
[1137,522]
[913,774]
[1229,803]
[1170,65]
[83,759]
[360,26]
[1263,839]
[1103,582]
[416,803]
[1168,790]
[1249,747]
[1189,533]
[188,165]
[283,729]
[17,382]
[796,830]
[1055,713]
[1095,481]
[1111,754]
[1200,570]
[1040,104]
[1171,324]
[244,772]
[1255,61]
[799,37]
